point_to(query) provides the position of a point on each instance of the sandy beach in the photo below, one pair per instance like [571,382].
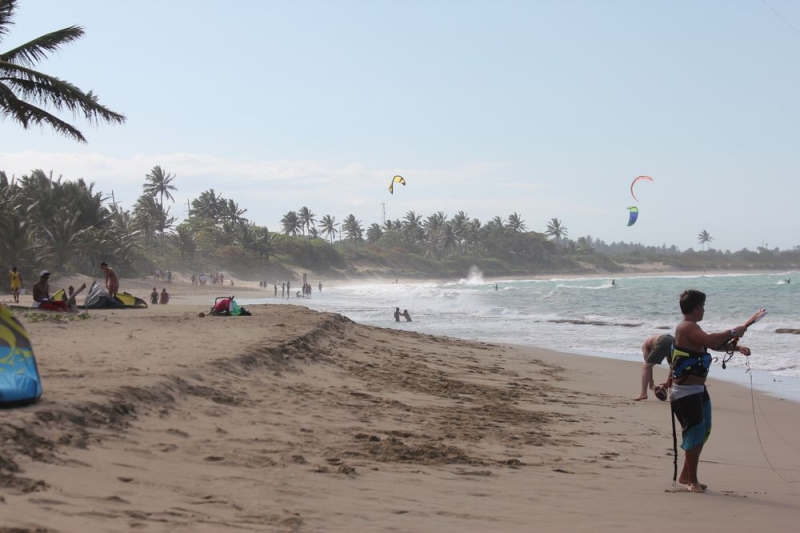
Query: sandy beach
[292,420]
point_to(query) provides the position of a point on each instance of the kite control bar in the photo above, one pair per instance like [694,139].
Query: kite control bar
[731,348]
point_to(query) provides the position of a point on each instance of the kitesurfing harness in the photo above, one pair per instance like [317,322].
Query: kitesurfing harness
[687,362]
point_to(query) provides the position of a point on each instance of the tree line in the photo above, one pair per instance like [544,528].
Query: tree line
[48,222]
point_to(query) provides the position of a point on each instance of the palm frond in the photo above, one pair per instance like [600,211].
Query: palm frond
[27,115]
[49,90]
[38,49]
[7,8]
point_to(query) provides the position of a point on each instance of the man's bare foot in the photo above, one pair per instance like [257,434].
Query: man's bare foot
[696,487]
[689,484]
[640,398]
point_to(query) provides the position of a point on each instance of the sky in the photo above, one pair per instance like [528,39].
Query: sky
[548,109]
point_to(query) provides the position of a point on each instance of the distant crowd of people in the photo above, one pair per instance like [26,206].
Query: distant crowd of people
[216,278]
[157,275]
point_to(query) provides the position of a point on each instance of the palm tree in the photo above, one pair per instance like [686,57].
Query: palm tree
[448,240]
[704,238]
[497,222]
[185,242]
[23,89]
[62,237]
[328,227]
[515,222]
[352,228]
[306,218]
[159,183]
[374,233]
[556,230]
[147,217]
[412,227]
[461,228]
[17,235]
[232,213]
[209,205]
[472,235]
[434,226]
[290,223]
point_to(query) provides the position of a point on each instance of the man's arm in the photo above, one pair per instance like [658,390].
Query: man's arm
[714,341]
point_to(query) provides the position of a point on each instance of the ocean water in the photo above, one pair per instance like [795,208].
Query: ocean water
[588,316]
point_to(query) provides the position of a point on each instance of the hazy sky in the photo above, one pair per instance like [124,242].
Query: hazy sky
[544,108]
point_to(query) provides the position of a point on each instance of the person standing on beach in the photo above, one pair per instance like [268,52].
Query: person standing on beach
[689,398]
[16,283]
[112,281]
[164,300]
[655,349]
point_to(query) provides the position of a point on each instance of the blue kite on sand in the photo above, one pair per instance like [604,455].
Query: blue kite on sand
[20,383]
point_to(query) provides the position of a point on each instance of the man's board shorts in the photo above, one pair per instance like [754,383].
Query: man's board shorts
[661,351]
[691,405]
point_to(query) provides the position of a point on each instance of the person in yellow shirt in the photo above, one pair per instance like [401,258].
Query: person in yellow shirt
[16,283]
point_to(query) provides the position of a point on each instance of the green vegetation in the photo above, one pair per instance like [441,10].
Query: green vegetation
[54,317]
[68,227]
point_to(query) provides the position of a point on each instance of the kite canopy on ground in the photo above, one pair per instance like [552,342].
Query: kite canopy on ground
[635,181]
[397,179]
[20,383]
[633,214]
[98,298]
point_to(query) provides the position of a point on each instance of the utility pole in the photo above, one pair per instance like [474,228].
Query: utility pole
[383,211]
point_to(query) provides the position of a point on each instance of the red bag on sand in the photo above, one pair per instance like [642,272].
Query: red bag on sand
[222,305]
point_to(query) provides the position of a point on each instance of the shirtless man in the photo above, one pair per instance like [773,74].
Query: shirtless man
[112,281]
[688,395]
[655,349]
[41,295]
